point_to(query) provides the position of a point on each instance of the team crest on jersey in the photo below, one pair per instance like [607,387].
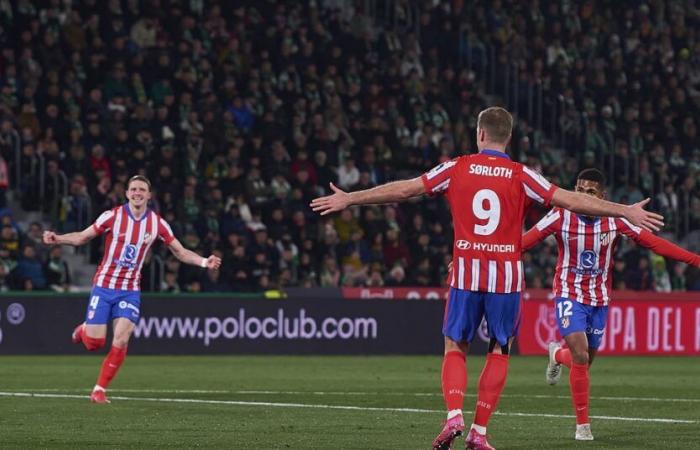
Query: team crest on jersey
[91,314]
[604,238]
[147,237]
[565,322]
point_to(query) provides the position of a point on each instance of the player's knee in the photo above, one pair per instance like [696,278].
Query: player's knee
[93,344]
[580,357]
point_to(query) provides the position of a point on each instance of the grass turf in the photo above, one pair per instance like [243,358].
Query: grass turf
[627,387]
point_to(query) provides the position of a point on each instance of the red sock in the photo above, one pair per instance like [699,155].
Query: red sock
[454,379]
[110,365]
[563,356]
[491,383]
[91,343]
[580,385]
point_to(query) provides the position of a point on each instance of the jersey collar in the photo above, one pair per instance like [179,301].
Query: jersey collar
[128,212]
[588,220]
[496,153]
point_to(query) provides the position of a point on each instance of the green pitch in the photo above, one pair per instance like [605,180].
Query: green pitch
[334,403]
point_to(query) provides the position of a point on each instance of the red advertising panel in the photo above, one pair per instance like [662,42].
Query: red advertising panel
[638,324]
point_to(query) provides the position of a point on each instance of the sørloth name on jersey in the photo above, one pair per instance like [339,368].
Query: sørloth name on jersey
[490,171]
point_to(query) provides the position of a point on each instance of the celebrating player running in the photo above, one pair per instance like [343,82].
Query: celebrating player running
[582,285]
[131,230]
[488,196]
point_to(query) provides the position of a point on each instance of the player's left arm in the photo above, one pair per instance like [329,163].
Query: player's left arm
[659,245]
[189,257]
[165,233]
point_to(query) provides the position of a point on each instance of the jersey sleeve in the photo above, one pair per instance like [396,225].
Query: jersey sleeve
[546,226]
[104,222]
[437,180]
[165,233]
[537,187]
[658,245]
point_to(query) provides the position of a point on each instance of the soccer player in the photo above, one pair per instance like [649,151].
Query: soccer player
[582,284]
[488,195]
[131,230]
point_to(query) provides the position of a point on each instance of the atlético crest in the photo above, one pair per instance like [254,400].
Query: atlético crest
[604,238]
[91,314]
[565,322]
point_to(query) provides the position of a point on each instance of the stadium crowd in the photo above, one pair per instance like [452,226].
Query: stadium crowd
[241,115]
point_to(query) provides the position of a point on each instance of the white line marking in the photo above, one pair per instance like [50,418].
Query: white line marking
[356,393]
[339,407]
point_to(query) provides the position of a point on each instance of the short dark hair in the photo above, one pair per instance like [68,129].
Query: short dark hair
[592,175]
[497,122]
[139,178]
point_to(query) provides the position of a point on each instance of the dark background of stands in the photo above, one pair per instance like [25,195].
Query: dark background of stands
[240,116]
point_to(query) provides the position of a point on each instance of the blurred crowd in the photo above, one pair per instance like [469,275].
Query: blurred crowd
[241,113]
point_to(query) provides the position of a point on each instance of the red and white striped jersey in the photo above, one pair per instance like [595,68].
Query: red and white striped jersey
[488,195]
[586,248]
[126,244]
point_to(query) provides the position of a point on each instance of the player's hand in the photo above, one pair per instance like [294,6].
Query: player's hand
[646,219]
[49,238]
[337,201]
[213,262]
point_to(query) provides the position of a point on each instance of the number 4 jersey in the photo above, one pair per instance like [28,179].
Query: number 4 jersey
[488,196]
[126,244]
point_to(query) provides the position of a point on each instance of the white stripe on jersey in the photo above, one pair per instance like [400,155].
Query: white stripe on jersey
[104,217]
[565,259]
[165,225]
[548,220]
[107,263]
[508,277]
[127,241]
[139,243]
[437,170]
[608,256]
[542,181]
[442,186]
[596,249]
[460,279]
[475,275]
[493,275]
[580,248]
[520,276]
[634,228]
[532,194]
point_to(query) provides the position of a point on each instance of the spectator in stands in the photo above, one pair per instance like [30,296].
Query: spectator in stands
[57,271]
[29,273]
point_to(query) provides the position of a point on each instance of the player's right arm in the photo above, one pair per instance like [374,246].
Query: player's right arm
[592,206]
[75,239]
[541,230]
[436,181]
[102,224]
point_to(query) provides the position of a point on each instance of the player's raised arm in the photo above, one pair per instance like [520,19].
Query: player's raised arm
[395,191]
[657,244]
[189,257]
[546,226]
[593,206]
[75,239]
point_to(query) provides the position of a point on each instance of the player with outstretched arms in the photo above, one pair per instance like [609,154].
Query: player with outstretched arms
[488,195]
[582,285]
[130,231]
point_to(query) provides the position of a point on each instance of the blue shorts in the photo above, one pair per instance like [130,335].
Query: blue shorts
[573,316]
[464,311]
[107,304]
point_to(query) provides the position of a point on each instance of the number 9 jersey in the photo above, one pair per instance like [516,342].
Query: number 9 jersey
[488,196]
